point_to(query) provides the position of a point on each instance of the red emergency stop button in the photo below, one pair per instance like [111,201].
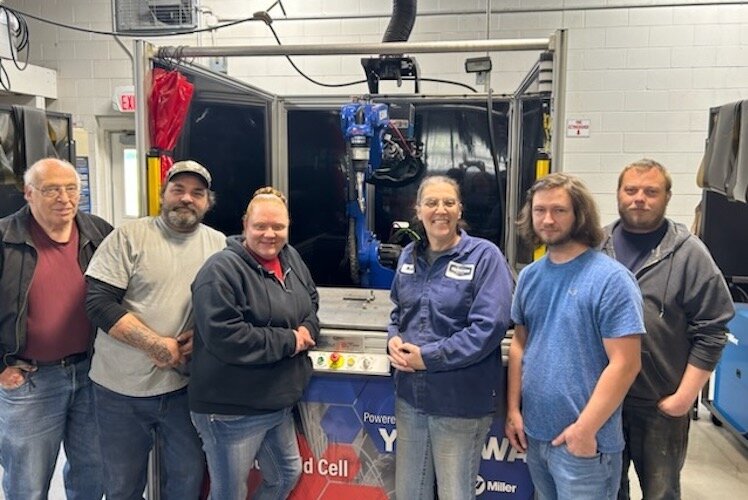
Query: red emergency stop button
[336,360]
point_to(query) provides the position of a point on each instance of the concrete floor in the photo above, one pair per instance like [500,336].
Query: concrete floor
[716,466]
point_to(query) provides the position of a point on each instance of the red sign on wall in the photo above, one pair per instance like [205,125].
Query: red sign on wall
[124,99]
[127,102]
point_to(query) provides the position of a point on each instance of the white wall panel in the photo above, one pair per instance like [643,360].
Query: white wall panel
[617,79]
[648,58]
[679,121]
[646,77]
[587,80]
[625,121]
[604,18]
[662,16]
[637,36]
[670,78]
[596,58]
[646,100]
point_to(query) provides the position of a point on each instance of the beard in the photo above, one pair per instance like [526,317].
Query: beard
[556,239]
[644,222]
[183,218]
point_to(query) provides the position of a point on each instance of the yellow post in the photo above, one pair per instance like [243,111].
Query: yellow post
[542,165]
[542,168]
[538,252]
[153,163]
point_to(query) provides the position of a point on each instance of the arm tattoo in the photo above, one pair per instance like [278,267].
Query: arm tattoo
[140,338]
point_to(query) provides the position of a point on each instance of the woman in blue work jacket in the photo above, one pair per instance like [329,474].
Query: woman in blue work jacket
[452,295]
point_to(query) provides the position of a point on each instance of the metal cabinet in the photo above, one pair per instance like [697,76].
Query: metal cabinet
[731,376]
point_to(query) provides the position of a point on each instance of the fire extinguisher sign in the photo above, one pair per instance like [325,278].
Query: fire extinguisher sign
[577,128]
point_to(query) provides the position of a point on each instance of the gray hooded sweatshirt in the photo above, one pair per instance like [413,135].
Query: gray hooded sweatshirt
[686,309]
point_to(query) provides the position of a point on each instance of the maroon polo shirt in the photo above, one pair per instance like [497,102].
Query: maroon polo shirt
[56,324]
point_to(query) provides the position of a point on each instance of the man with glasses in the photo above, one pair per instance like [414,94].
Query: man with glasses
[46,339]
[139,297]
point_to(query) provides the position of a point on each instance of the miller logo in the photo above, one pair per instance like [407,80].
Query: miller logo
[480,485]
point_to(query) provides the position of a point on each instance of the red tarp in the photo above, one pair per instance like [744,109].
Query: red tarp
[168,104]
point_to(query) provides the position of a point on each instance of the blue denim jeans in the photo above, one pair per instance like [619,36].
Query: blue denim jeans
[445,449]
[557,474]
[54,406]
[656,443]
[126,428]
[231,443]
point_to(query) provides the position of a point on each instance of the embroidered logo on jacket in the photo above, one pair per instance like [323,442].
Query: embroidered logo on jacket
[458,271]
[407,269]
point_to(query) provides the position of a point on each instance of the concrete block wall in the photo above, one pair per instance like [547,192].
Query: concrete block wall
[646,78]
[644,73]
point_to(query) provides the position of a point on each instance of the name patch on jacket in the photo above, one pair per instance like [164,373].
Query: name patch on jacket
[458,271]
[407,269]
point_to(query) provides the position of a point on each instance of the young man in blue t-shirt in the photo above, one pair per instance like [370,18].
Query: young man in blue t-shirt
[576,347]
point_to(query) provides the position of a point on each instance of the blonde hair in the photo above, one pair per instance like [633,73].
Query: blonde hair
[266,193]
[645,165]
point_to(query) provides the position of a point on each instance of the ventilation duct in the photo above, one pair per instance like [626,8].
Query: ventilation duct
[402,21]
[142,17]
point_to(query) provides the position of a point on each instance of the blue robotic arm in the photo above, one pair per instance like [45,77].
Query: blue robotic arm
[372,153]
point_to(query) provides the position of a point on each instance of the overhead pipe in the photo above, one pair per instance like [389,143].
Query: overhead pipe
[360,48]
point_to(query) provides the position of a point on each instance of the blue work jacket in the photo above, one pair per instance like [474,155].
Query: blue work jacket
[457,311]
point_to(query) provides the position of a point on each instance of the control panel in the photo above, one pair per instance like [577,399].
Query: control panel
[353,332]
[350,362]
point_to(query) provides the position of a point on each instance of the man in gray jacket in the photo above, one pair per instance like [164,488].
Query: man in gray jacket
[686,309]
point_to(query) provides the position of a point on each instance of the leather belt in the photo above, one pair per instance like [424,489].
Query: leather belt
[66,361]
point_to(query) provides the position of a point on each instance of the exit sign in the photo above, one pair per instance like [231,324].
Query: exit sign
[124,99]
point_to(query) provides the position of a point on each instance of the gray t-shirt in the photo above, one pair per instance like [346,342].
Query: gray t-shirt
[156,266]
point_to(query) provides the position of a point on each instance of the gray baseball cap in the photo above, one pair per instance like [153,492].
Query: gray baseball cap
[189,167]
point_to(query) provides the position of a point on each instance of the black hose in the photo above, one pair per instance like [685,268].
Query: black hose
[351,245]
[352,249]
[402,21]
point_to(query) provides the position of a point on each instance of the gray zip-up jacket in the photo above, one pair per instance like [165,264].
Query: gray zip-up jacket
[17,265]
[686,309]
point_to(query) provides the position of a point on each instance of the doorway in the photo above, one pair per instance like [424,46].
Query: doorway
[125,186]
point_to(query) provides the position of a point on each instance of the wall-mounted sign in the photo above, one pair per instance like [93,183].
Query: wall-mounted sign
[577,128]
[124,99]
[81,165]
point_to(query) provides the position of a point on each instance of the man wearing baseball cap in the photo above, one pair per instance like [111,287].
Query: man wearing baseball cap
[139,298]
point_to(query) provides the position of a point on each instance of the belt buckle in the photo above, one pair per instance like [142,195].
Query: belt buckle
[73,359]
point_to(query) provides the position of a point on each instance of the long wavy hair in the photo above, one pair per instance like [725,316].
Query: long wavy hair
[586,228]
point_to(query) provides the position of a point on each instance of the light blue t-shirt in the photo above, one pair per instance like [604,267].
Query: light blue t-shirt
[568,309]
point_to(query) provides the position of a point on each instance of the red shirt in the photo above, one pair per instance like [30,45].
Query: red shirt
[56,324]
[272,265]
